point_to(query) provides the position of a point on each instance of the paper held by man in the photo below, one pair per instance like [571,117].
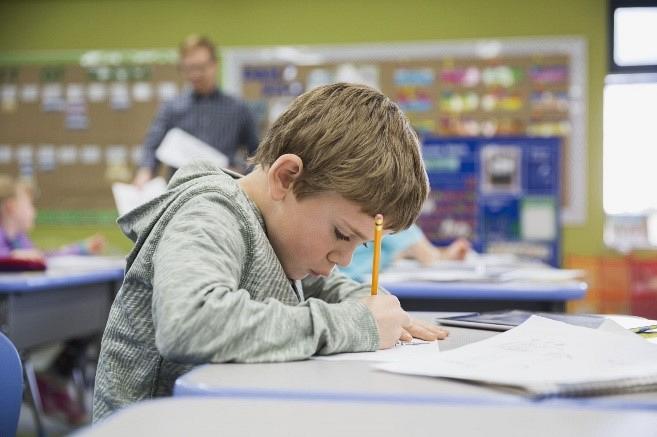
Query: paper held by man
[179,148]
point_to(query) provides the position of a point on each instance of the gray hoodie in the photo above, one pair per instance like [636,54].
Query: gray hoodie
[203,285]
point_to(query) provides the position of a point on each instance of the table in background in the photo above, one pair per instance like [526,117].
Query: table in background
[486,296]
[70,300]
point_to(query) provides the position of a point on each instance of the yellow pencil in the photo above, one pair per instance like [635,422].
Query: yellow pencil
[378,230]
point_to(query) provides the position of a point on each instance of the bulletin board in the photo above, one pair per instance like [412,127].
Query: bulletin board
[490,88]
[73,123]
[500,193]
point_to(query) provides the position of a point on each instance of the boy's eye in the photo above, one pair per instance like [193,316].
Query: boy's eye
[365,244]
[340,236]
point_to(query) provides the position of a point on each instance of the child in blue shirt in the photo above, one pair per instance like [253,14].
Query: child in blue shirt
[411,244]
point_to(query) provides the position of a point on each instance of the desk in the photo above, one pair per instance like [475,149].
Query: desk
[71,299]
[486,296]
[353,381]
[259,417]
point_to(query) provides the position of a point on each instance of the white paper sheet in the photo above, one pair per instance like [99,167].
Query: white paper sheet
[478,269]
[541,354]
[542,275]
[629,322]
[179,148]
[128,197]
[416,349]
[83,262]
[433,275]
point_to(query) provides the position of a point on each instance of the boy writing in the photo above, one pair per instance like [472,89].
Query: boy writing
[241,269]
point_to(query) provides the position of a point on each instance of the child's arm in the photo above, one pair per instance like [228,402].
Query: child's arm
[337,287]
[427,254]
[21,248]
[200,314]
[93,245]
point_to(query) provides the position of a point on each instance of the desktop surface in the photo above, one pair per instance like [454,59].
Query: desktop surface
[273,418]
[357,381]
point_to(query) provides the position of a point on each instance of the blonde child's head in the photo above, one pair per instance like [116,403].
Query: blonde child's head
[356,142]
[16,207]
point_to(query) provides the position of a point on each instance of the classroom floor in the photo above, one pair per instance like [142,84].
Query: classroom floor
[53,426]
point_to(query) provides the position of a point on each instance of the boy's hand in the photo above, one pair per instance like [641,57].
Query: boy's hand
[95,244]
[390,318]
[423,330]
[457,250]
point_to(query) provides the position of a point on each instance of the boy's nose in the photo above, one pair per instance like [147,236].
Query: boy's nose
[341,257]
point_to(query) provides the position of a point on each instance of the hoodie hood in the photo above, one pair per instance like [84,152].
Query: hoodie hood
[138,223]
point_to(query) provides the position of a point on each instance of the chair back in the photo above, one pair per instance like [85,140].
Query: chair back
[11,386]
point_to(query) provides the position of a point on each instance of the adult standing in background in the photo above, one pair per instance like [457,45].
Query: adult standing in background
[203,111]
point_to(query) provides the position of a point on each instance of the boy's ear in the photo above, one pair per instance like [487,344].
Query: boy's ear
[282,174]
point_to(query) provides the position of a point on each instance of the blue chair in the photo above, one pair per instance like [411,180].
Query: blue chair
[11,386]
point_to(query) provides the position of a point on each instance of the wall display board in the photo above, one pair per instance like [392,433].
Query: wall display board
[492,88]
[73,123]
[500,193]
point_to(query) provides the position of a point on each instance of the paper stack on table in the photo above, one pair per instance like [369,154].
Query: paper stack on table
[413,350]
[544,357]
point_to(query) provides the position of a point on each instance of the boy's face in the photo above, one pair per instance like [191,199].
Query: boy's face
[312,236]
[22,210]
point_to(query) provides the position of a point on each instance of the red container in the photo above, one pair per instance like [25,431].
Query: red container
[643,298]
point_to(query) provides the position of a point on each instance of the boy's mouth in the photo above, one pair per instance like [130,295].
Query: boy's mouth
[322,274]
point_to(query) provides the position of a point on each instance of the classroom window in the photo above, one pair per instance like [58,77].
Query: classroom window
[630,160]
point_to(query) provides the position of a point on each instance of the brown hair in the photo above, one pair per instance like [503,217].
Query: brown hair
[356,142]
[197,41]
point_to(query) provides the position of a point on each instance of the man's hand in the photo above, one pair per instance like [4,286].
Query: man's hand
[143,175]
[390,318]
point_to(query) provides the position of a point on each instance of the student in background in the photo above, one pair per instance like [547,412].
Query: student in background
[219,120]
[228,268]
[17,214]
[407,244]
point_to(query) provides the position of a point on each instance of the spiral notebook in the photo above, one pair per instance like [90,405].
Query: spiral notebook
[544,358]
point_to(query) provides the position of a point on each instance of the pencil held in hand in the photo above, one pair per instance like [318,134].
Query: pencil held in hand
[378,230]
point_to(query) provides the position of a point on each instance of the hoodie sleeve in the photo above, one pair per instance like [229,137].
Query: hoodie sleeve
[337,287]
[201,315]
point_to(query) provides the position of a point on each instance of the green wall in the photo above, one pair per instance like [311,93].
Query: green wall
[90,24]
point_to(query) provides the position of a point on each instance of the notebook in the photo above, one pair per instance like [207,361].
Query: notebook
[505,320]
[21,265]
[545,358]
